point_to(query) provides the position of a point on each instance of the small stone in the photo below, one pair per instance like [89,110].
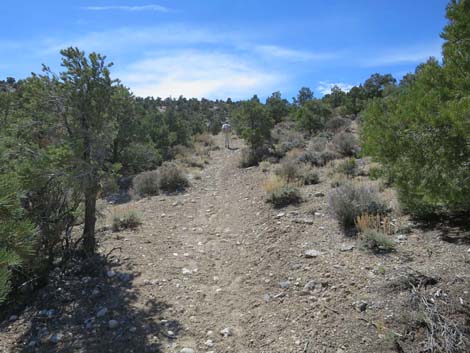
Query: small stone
[284,285]
[13,318]
[402,237]
[319,194]
[310,285]
[110,273]
[226,332]
[133,329]
[312,253]
[125,277]
[187,271]
[209,343]
[361,306]
[56,338]
[113,324]
[187,350]
[346,247]
[280,215]
[102,312]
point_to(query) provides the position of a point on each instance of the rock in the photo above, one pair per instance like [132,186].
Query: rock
[401,237]
[346,247]
[187,271]
[312,253]
[13,318]
[284,285]
[280,215]
[187,350]
[319,194]
[112,324]
[361,306]
[306,221]
[310,285]
[110,273]
[209,343]
[56,338]
[226,332]
[102,312]
[133,329]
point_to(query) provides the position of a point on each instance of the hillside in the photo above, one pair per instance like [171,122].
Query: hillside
[216,269]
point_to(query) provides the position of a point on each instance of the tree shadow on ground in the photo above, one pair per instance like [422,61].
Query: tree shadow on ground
[74,313]
[453,229]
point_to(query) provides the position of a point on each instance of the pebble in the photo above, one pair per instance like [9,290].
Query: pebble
[346,247]
[319,194]
[280,215]
[310,285]
[102,312]
[110,273]
[187,271]
[13,318]
[284,285]
[187,350]
[209,343]
[56,338]
[361,306]
[113,324]
[312,253]
[226,332]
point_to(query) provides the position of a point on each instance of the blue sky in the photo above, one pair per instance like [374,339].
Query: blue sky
[219,48]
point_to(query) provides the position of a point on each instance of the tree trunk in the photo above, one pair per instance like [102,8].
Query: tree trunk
[89,241]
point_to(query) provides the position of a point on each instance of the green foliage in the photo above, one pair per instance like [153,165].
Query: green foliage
[138,157]
[285,196]
[17,234]
[309,176]
[289,170]
[346,143]
[253,123]
[277,107]
[305,95]
[312,116]
[377,241]
[350,200]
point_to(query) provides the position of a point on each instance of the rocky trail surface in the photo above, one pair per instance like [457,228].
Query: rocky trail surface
[216,269]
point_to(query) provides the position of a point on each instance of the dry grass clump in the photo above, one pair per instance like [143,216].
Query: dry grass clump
[284,196]
[204,139]
[376,241]
[346,144]
[146,184]
[265,166]
[171,178]
[375,222]
[127,219]
[274,183]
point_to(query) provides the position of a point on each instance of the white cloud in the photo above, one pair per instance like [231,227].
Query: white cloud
[196,73]
[409,55]
[324,87]
[157,8]
[293,54]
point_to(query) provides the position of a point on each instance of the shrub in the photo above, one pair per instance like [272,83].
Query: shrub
[265,166]
[139,157]
[377,241]
[250,158]
[289,170]
[171,178]
[337,123]
[128,220]
[348,167]
[273,183]
[309,176]
[346,143]
[349,201]
[286,195]
[317,144]
[146,184]
[317,159]
[204,139]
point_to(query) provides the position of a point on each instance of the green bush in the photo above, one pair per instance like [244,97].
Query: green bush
[147,184]
[287,195]
[348,167]
[377,241]
[171,178]
[337,123]
[309,176]
[250,158]
[346,143]
[139,157]
[289,170]
[349,200]
[129,220]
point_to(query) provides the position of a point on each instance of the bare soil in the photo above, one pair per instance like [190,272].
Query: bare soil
[216,269]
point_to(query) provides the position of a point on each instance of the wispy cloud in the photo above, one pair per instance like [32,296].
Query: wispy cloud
[408,55]
[156,8]
[196,73]
[324,87]
[293,54]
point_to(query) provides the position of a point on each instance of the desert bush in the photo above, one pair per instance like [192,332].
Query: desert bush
[350,200]
[273,183]
[284,196]
[139,157]
[346,143]
[377,241]
[374,222]
[171,178]
[309,176]
[250,158]
[204,139]
[317,159]
[337,123]
[317,144]
[289,170]
[127,220]
[146,184]
[265,166]
[348,167]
